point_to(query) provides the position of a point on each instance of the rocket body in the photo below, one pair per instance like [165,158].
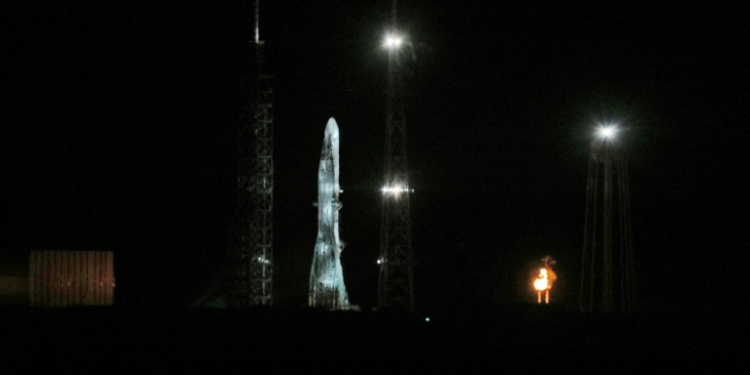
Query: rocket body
[327,287]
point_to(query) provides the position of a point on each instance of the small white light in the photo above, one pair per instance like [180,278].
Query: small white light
[393,41]
[607,131]
[395,189]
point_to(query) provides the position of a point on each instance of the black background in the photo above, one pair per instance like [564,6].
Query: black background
[120,130]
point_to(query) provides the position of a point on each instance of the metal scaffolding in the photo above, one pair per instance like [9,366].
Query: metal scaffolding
[251,247]
[396,261]
[607,267]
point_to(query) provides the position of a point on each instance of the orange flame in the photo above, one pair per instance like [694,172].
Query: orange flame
[542,281]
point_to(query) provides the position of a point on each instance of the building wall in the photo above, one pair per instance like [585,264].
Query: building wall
[70,278]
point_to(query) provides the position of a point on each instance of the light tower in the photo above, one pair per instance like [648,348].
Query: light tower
[396,260]
[607,268]
[251,247]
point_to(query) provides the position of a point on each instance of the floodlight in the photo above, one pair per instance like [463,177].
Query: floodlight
[607,131]
[393,41]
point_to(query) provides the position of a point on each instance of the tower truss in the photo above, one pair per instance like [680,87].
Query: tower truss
[607,267]
[252,235]
[396,260]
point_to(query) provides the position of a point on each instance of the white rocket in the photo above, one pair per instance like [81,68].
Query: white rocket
[327,288]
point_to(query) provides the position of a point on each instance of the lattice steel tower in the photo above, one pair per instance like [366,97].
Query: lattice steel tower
[396,261]
[251,245]
[607,268]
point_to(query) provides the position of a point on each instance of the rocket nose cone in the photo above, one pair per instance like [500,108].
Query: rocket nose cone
[332,127]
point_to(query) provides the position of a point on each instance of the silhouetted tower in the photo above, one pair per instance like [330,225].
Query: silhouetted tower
[607,268]
[252,237]
[396,261]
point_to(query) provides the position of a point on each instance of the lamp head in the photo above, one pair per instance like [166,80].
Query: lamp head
[607,131]
[393,41]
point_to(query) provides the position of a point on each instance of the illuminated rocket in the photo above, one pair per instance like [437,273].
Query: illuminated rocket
[327,288]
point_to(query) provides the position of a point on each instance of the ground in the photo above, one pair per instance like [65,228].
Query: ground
[517,338]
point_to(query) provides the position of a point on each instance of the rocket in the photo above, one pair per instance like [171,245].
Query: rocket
[327,287]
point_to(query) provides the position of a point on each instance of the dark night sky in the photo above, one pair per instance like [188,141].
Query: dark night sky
[120,125]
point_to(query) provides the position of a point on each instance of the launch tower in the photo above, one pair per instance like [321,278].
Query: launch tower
[396,260]
[251,245]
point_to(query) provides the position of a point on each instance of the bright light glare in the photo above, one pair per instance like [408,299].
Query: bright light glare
[607,131]
[393,41]
[395,189]
[541,282]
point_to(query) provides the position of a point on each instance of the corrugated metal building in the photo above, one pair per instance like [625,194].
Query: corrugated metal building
[57,278]
[71,278]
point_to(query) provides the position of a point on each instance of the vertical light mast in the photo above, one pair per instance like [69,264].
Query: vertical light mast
[396,260]
[252,242]
[607,267]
